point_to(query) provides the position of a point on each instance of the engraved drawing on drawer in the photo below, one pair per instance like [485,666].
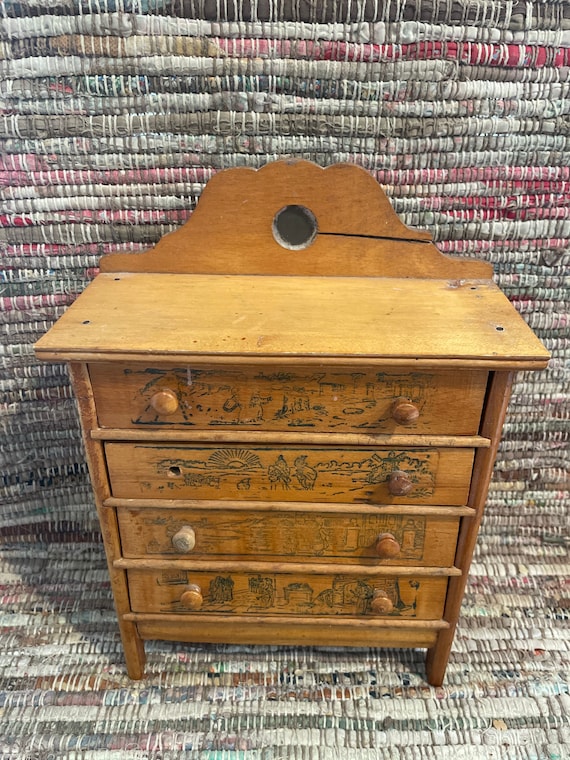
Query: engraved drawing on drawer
[289,473]
[297,399]
[290,536]
[184,591]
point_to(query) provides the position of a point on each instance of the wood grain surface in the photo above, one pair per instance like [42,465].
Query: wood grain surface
[184,317]
[322,631]
[357,231]
[312,474]
[297,400]
[285,594]
[298,537]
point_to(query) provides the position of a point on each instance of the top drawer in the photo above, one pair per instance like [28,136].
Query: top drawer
[300,399]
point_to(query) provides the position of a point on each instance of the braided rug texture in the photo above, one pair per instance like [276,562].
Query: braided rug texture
[114,114]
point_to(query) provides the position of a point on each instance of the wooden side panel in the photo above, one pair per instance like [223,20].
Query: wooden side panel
[297,536]
[258,630]
[132,643]
[491,427]
[295,399]
[287,473]
[286,594]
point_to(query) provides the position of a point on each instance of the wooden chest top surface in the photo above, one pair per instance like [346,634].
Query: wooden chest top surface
[181,316]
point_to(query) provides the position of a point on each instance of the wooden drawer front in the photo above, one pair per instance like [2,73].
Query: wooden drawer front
[293,536]
[287,473]
[281,399]
[256,629]
[286,593]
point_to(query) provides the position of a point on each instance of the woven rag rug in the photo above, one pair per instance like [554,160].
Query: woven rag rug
[114,115]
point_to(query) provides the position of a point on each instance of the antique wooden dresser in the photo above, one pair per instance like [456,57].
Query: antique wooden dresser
[291,408]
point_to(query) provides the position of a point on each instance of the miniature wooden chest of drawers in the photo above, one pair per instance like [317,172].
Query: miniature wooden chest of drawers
[291,409]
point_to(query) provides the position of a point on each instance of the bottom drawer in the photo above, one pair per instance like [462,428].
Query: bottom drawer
[287,594]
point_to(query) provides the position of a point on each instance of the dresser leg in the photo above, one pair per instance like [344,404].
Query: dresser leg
[133,645]
[438,656]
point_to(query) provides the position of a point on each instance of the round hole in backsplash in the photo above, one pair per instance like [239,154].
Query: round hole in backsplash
[295,227]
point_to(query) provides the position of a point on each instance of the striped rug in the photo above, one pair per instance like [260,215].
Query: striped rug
[114,114]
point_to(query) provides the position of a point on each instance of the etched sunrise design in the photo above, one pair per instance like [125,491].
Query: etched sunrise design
[234,459]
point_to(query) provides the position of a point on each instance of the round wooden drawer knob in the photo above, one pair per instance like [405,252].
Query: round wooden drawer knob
[381,603]
[184,540]
[386,546]
[164,402]
[192,598]
[404,411]
[399,483]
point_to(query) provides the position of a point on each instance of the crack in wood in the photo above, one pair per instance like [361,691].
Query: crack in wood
[376,237]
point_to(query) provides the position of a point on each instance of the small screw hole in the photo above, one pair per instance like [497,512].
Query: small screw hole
[174,472]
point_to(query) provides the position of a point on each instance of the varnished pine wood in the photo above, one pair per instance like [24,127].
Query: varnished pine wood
[286,593]
[230,232]
[374,631]
[405,412]
[387,546]
[310,535]
[306,439]
[312,362]
[492,425]
[397,624]
[324,474]
[246,524]
[381,603]
[264,399]
[272,317]
[192,598]
[132,643]
[291,506]
[163,402]
[248,565]
[400,483]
